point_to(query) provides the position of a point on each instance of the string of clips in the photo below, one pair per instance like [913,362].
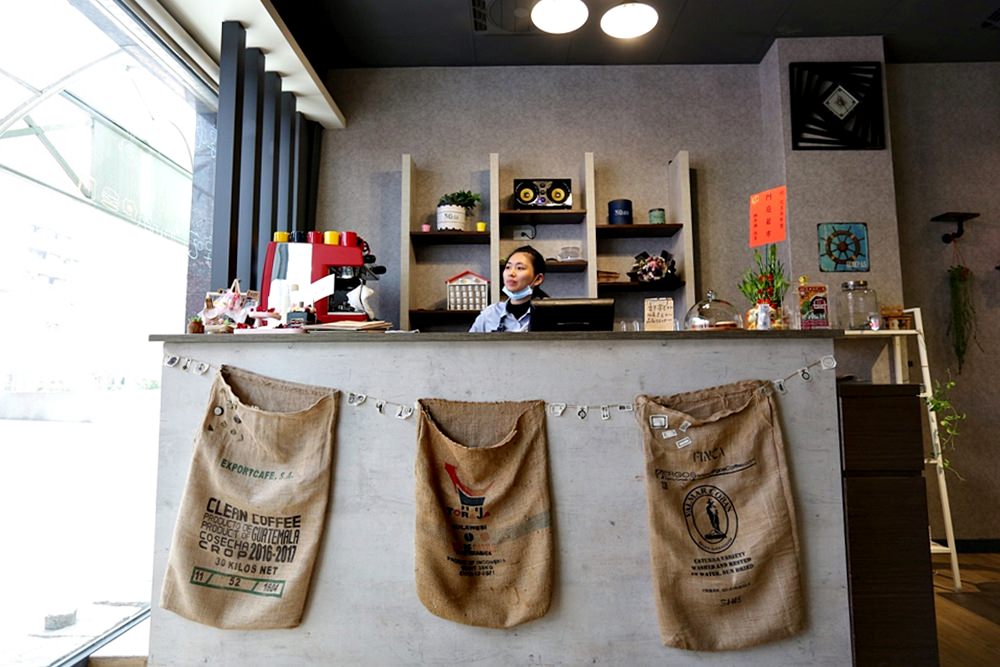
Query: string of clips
[404,411]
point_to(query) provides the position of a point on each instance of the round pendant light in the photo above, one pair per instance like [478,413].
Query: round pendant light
[559,16]
[629,20]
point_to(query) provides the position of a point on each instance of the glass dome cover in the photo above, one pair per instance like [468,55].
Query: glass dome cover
[713,314]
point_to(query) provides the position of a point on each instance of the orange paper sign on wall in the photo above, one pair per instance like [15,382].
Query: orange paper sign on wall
[767,217]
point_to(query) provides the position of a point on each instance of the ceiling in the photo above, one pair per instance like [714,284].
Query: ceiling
[449,33]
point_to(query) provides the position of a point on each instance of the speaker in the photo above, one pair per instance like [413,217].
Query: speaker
[533,193]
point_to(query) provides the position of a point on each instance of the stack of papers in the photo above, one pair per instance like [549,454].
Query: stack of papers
[350,325]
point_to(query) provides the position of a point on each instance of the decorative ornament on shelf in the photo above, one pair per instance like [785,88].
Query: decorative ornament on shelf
[455,209]
[650,269]
[765,287]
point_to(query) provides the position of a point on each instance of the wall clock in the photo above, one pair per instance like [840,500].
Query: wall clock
[843,246]
[836,106]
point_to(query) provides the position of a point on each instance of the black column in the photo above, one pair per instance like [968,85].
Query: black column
[268,166]
[286,154]
[249,188]
[228,145]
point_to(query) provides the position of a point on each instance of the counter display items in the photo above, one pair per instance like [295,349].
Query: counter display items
[253,511]
[722,533]
[483,513]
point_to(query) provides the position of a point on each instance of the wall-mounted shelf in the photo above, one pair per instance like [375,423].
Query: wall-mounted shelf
[562,216]
[635,231]
[572,266]
[633,286]
[449,238]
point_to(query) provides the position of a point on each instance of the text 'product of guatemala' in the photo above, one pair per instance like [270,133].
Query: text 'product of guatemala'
[252,515]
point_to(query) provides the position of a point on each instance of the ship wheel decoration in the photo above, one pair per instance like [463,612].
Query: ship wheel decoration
[843,246]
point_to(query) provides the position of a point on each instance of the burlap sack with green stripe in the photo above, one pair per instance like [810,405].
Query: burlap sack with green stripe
[723,539]
[252,515]
[483,514]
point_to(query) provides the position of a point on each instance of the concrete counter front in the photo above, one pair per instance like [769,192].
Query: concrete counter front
[363,608]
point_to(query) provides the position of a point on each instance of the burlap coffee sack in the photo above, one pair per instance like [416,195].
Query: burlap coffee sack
[723,537]
[253,510]
[483,522]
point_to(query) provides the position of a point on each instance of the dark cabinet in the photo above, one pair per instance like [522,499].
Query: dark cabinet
[885,513]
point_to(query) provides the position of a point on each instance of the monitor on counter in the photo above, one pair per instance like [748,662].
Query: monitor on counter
[572,315]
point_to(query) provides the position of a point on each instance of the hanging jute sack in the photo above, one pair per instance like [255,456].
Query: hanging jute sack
[725,549]
[253,510]
[483,522]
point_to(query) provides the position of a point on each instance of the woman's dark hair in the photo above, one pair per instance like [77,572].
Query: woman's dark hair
[537,261]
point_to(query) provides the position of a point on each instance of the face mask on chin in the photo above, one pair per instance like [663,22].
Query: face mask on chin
[517,296]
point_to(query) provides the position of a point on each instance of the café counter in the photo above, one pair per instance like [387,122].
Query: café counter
[363,608]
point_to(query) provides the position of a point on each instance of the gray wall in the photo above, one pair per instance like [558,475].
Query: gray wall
[541,120]
[946,141]
[943,125]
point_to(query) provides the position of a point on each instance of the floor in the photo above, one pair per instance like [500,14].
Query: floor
[968,622]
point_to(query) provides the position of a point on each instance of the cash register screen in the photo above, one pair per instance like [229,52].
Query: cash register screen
[572,314]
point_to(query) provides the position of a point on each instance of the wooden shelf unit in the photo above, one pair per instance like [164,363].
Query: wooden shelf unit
[449,238]
[560,216]
[579,277]
[638,230]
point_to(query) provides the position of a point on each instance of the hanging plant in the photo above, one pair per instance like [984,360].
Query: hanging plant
[962,324]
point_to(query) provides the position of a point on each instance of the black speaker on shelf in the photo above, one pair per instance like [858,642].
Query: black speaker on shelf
[545,193]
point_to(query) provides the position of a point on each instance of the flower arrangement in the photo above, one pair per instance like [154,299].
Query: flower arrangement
[764,286]
[648,268]
[768,282]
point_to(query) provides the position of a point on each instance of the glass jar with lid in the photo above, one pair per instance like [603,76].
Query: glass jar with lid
[857,306]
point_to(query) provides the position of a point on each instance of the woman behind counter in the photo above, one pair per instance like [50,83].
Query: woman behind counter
[522,275]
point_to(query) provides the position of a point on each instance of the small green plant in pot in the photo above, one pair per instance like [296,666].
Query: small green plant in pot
[454,210]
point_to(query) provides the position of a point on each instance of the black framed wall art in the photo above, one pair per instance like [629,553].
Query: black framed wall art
[836,106]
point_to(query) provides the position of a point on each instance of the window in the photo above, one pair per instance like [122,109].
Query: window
[102,155]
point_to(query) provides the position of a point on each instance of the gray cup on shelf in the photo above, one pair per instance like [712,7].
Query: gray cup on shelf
[620,212]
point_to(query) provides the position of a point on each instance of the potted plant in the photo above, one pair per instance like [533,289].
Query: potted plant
[765,287]
[454,209]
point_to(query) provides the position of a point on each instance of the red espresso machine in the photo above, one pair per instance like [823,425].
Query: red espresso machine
[304,264]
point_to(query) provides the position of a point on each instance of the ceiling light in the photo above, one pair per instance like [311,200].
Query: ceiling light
[629,19]
[559,16]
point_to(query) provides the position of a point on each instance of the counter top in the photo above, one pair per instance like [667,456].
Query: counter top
[538,336]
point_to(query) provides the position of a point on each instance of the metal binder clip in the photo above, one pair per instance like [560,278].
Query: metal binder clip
[557,409]
[605,412]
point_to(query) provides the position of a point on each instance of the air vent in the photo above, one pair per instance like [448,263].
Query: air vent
[502,17]
[479,16]
[992,21]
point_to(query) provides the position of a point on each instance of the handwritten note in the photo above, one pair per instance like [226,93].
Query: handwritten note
[659,314]
[767,217]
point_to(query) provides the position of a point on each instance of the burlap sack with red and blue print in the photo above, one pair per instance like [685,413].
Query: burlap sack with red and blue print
[483,513]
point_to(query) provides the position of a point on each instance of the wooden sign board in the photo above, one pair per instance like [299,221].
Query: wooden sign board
[659,314]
